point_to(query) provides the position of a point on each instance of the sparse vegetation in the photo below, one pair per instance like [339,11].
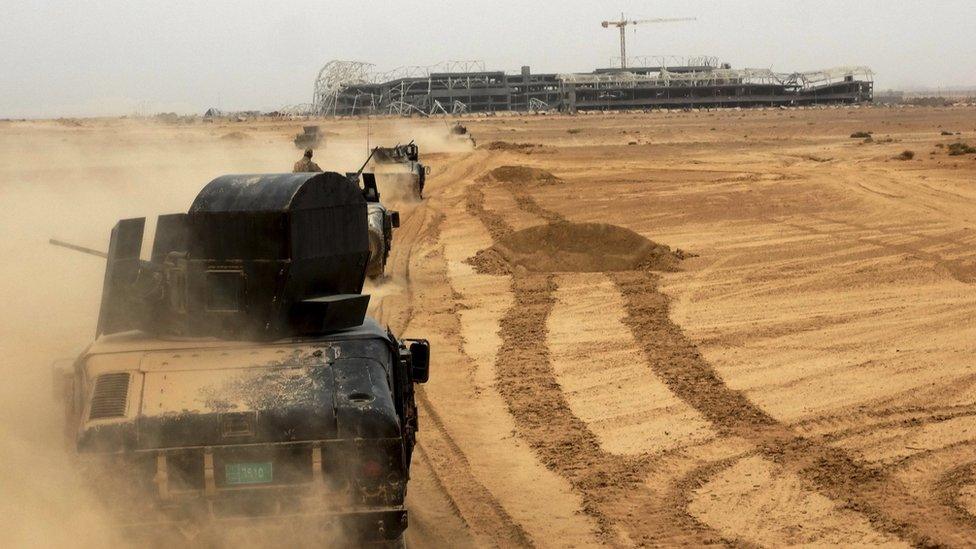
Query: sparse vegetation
[944,132]
[861,135]
[905,155]
[573,130]
[959,148]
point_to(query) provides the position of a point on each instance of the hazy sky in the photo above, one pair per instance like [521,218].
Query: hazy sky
[71,58]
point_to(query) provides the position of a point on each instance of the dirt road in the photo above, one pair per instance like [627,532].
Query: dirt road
[805,379]
[795,368]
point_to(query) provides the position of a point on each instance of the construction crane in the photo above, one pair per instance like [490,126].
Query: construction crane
[622,24]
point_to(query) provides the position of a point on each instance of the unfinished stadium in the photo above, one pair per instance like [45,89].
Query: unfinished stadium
[349,88]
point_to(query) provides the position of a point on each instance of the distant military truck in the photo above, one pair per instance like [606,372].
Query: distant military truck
[399,167]
[235,379]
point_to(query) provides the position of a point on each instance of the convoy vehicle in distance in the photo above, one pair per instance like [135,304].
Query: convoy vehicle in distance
[235,377]
[459,132]
[381,223]
[310,138]
[399,167]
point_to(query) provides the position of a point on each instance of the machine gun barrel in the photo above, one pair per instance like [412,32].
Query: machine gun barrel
[77,248]
[363,167]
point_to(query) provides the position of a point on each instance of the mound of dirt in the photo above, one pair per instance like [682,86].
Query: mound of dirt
[575,247]
[489,261]
[235,136]
[522,175]
[525,148]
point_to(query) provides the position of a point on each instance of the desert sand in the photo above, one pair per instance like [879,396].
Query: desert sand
[726,327]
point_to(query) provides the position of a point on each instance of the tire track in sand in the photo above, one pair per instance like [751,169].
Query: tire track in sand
[883,498]
[613,488]
[449,467]
[887,502]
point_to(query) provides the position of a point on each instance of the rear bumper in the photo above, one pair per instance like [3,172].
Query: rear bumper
[315,488]
[360,524]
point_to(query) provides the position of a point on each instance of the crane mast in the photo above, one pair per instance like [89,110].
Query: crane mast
[623,23]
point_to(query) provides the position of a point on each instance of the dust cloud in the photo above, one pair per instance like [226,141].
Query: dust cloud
[73,182]
[433,136]
[384,286]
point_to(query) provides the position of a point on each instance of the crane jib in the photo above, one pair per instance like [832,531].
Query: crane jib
[622,25]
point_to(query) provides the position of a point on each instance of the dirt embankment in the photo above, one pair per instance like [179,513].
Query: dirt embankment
[524,148]
[558,245]
[519,175]
[575,247]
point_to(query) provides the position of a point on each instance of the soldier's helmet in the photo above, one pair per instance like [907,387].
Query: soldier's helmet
[308,153]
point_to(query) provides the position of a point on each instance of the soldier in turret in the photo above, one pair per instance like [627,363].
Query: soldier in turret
[306,164]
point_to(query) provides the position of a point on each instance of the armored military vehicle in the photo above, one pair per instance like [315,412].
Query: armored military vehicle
[381,223]
[235,377]
[459,133]
[399,167]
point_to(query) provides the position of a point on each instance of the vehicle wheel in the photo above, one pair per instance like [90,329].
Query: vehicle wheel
[376,265]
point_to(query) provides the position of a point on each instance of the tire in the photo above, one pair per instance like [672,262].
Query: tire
[377,262]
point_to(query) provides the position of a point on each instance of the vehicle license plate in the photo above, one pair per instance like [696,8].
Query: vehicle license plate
[248,473]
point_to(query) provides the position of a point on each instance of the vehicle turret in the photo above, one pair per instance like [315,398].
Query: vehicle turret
[255,257]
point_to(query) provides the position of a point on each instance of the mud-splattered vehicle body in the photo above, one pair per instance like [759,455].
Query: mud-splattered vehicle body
[235,376]
[381,222]
[399,167]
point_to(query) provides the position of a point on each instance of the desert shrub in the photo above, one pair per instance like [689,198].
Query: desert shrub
[905,155]
[959,148]
[861,135]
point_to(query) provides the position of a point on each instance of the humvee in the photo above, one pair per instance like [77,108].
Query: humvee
[459,132]
[381,223]
[400,167]
[235,377]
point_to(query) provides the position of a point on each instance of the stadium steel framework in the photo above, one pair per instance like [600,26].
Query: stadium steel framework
[349,88]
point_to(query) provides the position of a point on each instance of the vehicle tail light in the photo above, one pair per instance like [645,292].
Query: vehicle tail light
[371,469]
